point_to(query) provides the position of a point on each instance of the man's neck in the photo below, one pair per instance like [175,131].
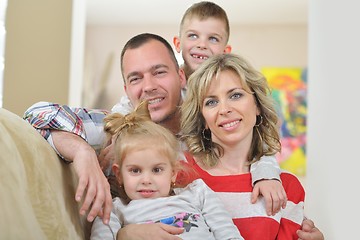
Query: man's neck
[172,123]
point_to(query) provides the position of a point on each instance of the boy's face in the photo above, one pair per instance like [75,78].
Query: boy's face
[150,74]
[145,173]
[201,39]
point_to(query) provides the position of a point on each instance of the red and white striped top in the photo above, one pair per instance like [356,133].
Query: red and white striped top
[251,219]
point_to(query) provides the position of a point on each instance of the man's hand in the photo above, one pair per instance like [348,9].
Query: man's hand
[151,231]
[273,193]
[309,231]
[92,180]
[94,184]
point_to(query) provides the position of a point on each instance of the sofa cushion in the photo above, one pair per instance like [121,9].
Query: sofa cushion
[37,188]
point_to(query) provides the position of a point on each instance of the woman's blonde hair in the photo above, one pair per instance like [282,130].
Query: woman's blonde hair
[265,135]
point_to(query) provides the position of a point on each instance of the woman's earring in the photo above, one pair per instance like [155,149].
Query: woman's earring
[206,134]
[258,123]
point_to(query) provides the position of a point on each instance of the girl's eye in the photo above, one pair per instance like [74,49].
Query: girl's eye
[210,102]
[135,170]
[157,170]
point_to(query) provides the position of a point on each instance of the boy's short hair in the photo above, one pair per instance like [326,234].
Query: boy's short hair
[204,10]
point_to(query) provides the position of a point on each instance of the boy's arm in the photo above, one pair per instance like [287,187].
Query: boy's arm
[266,168]
[265,175]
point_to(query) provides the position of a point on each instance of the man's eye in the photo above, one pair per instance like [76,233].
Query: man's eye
[160,72]
[133,80]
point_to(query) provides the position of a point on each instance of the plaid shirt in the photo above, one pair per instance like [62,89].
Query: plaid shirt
[86,123]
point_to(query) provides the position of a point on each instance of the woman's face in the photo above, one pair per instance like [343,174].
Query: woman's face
[229,111]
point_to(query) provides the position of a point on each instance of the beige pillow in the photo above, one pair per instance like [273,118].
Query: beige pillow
[37,188]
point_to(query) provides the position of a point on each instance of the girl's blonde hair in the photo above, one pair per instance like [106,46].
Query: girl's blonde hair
[136,131]
[265,136]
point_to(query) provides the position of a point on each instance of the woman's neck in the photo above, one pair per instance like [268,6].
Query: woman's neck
[233,162]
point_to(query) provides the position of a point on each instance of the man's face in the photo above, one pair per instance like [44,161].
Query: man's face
[150,74]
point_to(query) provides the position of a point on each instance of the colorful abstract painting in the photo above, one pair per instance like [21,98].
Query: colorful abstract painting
[289,87]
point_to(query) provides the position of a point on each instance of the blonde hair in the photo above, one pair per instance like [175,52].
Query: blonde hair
[204,10]
[137,131]
[265,136]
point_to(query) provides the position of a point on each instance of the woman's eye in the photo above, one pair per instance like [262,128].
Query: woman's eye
[210,102]
[236,95]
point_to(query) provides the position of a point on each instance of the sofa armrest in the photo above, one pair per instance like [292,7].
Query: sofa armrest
[37,189]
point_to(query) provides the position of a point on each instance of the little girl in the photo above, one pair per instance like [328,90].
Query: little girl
[146,167]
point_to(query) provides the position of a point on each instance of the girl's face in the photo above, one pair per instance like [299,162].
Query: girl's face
[229,111]
[145,173]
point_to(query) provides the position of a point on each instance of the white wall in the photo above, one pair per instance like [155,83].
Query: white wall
[333,128]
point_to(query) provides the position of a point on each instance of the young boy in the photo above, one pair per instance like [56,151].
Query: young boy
[204,32]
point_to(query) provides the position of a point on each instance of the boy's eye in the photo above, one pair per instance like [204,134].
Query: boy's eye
[192,36]
[214,39]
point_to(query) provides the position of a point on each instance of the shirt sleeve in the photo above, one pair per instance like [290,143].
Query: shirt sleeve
[101,231]
[266,168]
[293,213]
[215,214]
[86,123]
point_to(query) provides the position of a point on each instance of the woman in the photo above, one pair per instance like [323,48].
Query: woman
[228,122]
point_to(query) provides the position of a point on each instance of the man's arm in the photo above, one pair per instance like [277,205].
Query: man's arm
[86,123]
[309,231]
[74,133]
[91,177]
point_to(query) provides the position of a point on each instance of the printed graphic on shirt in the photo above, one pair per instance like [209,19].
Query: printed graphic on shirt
[183,220]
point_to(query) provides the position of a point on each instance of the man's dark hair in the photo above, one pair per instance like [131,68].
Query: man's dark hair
[141,39]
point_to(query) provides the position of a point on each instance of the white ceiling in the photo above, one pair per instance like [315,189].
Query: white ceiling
[120,12]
